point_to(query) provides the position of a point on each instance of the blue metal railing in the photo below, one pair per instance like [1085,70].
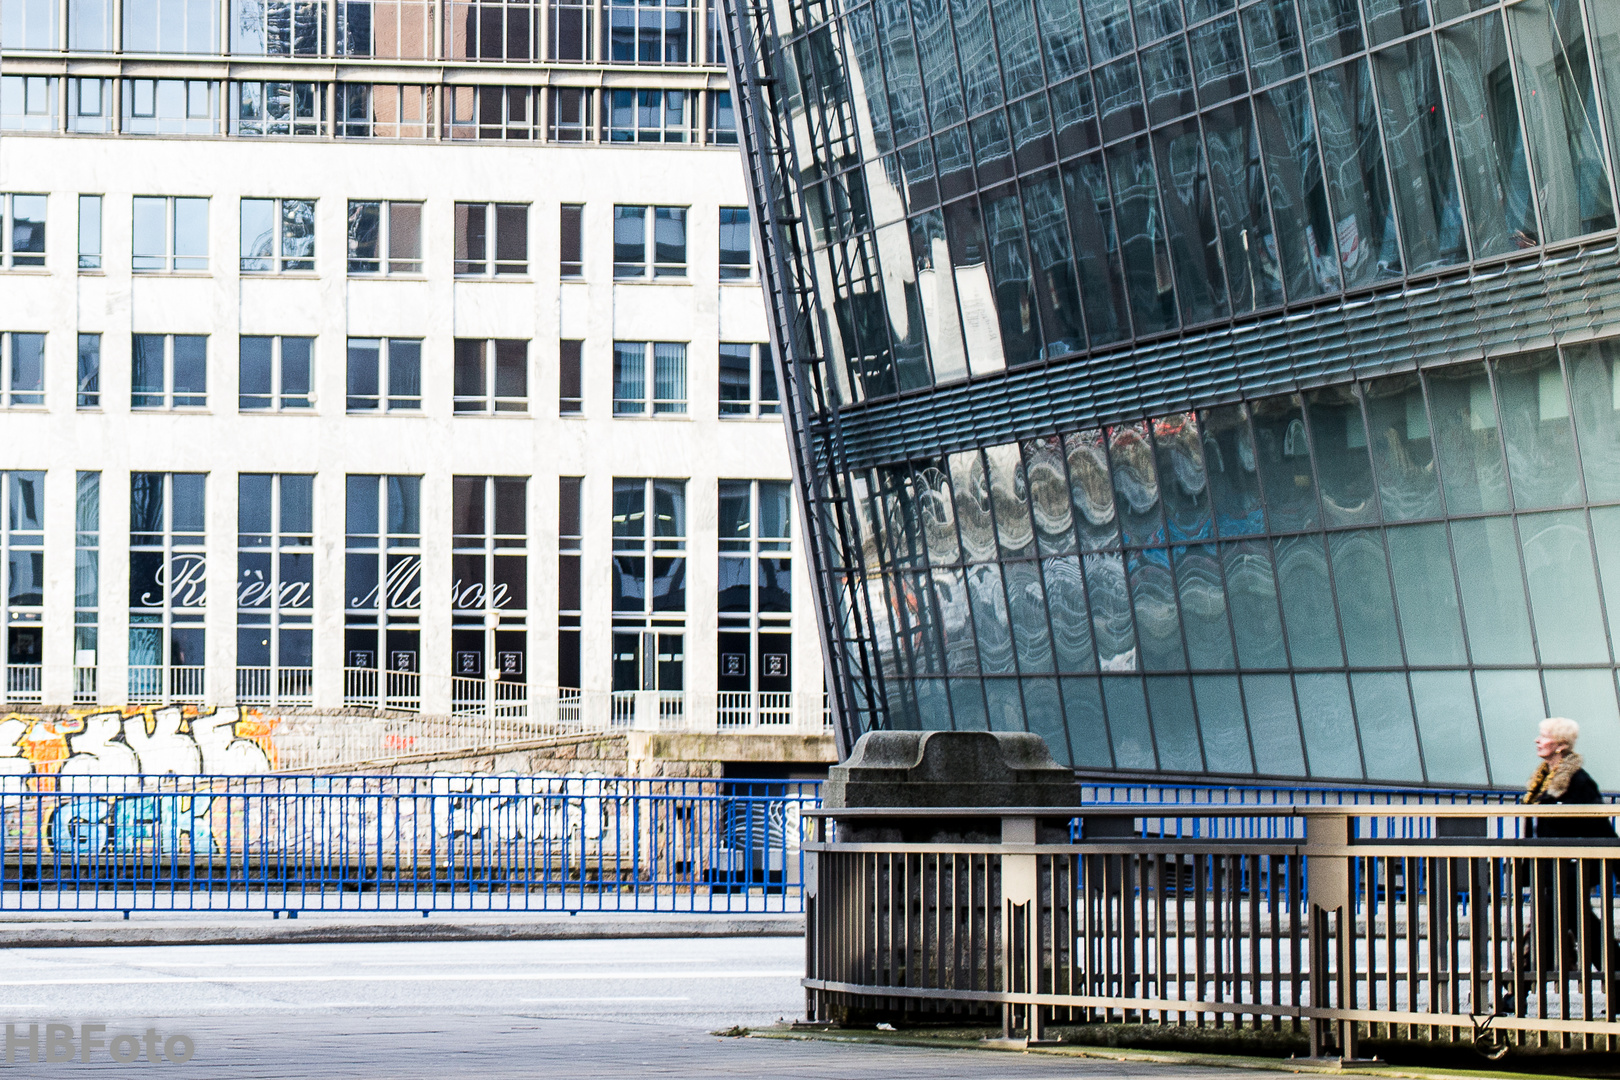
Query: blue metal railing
[542,843]
[424,843]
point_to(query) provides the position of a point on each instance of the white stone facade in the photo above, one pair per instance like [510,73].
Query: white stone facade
[61,438]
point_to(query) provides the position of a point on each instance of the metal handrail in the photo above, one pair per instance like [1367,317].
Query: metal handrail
[1358,925]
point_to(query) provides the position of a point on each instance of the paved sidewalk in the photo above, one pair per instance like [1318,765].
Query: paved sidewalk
[21,929]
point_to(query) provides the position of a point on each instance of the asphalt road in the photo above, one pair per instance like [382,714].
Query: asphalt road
[616,1009]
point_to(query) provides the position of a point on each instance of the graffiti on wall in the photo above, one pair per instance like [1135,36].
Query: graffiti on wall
[145,739]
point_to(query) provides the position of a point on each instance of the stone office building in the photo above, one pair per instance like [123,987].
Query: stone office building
[388,353]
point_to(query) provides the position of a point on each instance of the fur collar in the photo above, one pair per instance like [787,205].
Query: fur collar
[1550,782]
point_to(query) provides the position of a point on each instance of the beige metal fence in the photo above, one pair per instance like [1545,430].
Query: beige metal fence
[1344,923]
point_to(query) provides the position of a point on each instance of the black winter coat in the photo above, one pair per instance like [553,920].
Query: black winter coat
[1582,791]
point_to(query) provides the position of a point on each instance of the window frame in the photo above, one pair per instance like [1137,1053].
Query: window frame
[651,267]
[388,264]
[651,404]
[385,397]
[10,257]
[88,395]
[755,406]
[489,402]
[91,260]
[13,396]
[171,399]
[280,260]
[489,264]
[170,260]
[278,399]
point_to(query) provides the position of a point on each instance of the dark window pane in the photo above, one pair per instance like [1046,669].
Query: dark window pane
[1490,151]
[1340,439]
[1366,602]
[1283,450]
[1190,220]
[1251,594]
[1305,232]
[1353,155]
[1330,727]
[255,375]
[1414,121]
[1307,602]
[1563,588]
[1388,732]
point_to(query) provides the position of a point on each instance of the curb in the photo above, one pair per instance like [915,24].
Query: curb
[91,934]
[1145,1057]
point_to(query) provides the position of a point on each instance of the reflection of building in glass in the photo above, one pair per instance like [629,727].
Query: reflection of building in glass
[1204,389]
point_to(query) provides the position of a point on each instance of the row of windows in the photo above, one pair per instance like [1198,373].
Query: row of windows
[170,235]
[275,598]
[490,376]
[96,106]
[609,32]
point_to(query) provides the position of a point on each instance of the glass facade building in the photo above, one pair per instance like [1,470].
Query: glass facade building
[1208,387]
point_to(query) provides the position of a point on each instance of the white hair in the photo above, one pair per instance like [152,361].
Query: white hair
[1561,729]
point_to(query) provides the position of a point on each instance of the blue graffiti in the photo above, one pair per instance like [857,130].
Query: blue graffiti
[130,824]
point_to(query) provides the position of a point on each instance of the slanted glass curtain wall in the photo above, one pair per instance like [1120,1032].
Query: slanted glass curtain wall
[1010,182]
[1385,581]
[1122,466]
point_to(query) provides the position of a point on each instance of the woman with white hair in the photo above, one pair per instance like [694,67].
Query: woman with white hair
[1562,779]
[1564,935]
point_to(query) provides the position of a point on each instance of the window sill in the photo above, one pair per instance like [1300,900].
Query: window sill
[202,274]
[652,281]
[277,412]
[487,415]
[750,282]
[662,417]
[516,279]
[25,408]
[271,275]
[27,271]
[385,413]
[92,273]
[387,277]
[182,410]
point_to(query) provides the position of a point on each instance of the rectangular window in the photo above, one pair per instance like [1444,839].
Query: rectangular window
[492,112]
[278,235]
[382,589]
[747,380]
[385,237]
[755,601]
[632,380]
[22,230]
[385,29]
[275,588]
[492,238]
[27,103]
[86,586]
[89,232]
[649,584]
[637,32]
[385,374]
[169,371]
[384,111]
[570,395]
[717,34]
[489,590]
[491,376]
[22,582]
[89,371]
[171,107]
[736,244]
[90,25]
[278,108]
[662,116]
[491,29]
[22,370]
[569,611]
[170,26]
[572,241]
[171,234]
[29,24]
[571,23]
[570,114]
[278,27]
[89,103]
[636,247]
[276,373]
[168,586]
[722,119]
